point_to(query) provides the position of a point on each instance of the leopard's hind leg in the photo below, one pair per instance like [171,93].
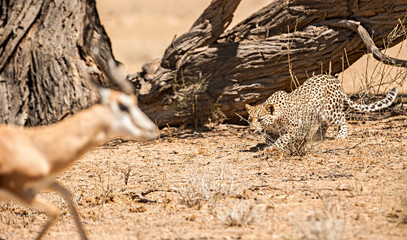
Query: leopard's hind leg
[320,134]
[342,129]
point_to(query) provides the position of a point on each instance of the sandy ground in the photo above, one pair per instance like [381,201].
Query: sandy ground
[212,183]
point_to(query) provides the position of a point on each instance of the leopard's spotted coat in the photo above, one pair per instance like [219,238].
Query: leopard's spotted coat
[320,100]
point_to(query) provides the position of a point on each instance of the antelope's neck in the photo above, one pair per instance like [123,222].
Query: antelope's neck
[66,141]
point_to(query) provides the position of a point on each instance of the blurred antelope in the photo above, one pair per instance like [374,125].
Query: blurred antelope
[31,157]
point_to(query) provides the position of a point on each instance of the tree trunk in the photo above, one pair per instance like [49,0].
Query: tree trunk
[212,73]
[44,58]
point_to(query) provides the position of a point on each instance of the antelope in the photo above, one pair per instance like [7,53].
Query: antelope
[31,157]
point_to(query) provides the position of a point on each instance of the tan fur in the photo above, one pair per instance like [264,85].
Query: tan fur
[30,157]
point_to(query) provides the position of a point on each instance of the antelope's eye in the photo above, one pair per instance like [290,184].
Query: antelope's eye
[123,108]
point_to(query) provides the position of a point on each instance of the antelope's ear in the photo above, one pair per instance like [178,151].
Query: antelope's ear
[248,107]
[121,69]
[104,94]
[101,90]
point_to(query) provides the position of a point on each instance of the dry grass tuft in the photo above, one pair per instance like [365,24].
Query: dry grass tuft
[237,213]
[322,224]
[207,186]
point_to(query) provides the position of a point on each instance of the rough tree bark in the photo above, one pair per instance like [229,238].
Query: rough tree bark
[45,55]
[209,70]
[45,58]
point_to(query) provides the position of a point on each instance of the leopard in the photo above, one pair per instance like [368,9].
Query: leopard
[320,102]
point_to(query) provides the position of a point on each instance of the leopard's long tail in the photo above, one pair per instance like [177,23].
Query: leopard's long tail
[385,102]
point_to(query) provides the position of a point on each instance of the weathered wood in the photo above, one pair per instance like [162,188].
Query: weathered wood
[205,31]
[259,56]
[208,72]
[45,50]
[367,40]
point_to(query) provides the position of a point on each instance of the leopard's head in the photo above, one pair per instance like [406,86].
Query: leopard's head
[260,114]
[267,117]
[254,113]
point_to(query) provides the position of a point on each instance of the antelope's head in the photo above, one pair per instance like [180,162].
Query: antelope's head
[129,120]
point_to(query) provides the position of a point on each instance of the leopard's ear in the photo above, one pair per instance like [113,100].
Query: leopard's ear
[271,108]
[248,107]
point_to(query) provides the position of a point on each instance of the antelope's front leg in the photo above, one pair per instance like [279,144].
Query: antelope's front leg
[68,198]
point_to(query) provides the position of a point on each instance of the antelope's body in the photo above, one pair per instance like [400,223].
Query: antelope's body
[31,157]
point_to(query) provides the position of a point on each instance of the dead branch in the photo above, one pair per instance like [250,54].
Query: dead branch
[368,41]
[343,149]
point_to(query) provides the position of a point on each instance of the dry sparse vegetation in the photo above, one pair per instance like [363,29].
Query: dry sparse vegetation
[209,184]
[201,184]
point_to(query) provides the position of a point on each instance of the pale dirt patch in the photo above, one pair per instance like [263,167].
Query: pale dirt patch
[209,185]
